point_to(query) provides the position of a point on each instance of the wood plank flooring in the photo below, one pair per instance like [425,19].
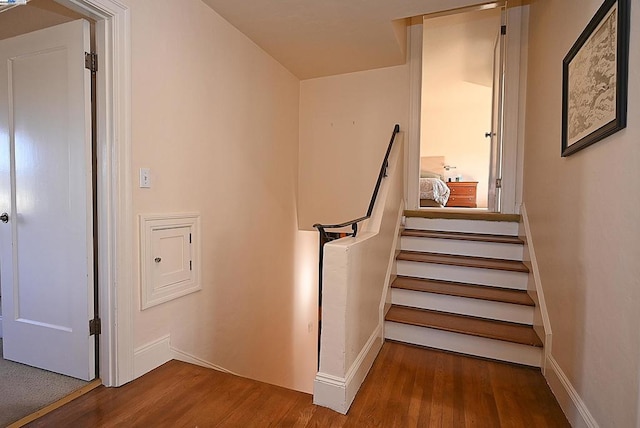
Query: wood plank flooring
[407,387]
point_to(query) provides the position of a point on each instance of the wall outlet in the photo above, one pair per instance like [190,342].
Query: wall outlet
[145,178]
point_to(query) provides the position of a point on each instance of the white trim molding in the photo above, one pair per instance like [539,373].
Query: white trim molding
[191,359]
[574,408]
[511,108]
[158,352]
[412,152]
[538,295]
[392,267]
[115,219]
[152,355]
[338,393]
[182,228]
[572,404]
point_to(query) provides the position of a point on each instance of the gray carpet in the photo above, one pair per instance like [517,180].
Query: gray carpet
[25,390]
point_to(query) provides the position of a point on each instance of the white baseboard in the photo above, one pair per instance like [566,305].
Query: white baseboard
[191,359]
[152,355]
[574,408]
[330,391]
[156,353]
[338,393]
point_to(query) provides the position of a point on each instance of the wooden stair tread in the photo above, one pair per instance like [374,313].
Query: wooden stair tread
[465,261]
[464,214]
[491,329]
[479,237]
[473,291]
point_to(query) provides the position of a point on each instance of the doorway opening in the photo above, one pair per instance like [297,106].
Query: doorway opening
[461,110]
[46,138]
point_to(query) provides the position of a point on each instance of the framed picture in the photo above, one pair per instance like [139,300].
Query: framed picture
[595,77]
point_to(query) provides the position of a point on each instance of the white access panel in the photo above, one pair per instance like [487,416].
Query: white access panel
[169,257]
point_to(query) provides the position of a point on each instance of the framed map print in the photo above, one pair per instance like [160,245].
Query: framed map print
[594,79]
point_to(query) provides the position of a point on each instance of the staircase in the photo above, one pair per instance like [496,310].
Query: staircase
[461,287]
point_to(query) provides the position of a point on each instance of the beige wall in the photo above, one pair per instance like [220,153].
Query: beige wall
[346,123]
[456,93]
[35,15]
[216,120]
[583,216]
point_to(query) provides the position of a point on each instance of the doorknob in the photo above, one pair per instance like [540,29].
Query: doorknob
[488,134]
[4,217]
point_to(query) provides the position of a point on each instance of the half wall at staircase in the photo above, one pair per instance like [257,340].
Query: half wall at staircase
[356,275]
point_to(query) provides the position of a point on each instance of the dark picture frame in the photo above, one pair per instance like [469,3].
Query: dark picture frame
[595,79]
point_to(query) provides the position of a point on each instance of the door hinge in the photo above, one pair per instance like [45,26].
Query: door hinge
[503,29]
[498,183]
[91,61]
[190,265]
[189,238]
[95,326]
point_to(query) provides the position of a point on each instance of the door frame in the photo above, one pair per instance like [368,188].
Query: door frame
[513,105]
[114,191]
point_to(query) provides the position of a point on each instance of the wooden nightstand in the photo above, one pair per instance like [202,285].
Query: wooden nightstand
[463,194]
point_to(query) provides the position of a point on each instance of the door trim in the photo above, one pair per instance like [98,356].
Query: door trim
[115,222]
[513,104]
[513,119]
[412,153]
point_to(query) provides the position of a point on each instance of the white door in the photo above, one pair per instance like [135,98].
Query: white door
[495,166]
[46,246]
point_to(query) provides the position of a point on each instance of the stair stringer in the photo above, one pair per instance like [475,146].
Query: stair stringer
[541,321]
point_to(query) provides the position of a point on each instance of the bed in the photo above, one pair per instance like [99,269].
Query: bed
[433,190]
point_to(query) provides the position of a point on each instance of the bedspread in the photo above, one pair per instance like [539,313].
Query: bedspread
[435,189]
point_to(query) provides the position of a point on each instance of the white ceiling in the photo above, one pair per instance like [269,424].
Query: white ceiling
[314,38]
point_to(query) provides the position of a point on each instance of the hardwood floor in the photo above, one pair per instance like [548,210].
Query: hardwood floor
[407,387]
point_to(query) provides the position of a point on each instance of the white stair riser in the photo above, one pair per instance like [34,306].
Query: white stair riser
[467,226]
[460,247]
[491,277]
[464,306]
[464,344]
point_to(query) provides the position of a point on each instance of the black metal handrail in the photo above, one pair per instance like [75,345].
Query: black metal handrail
[354,223]
[330,236]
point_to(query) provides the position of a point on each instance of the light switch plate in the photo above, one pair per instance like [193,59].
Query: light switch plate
[145,178]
